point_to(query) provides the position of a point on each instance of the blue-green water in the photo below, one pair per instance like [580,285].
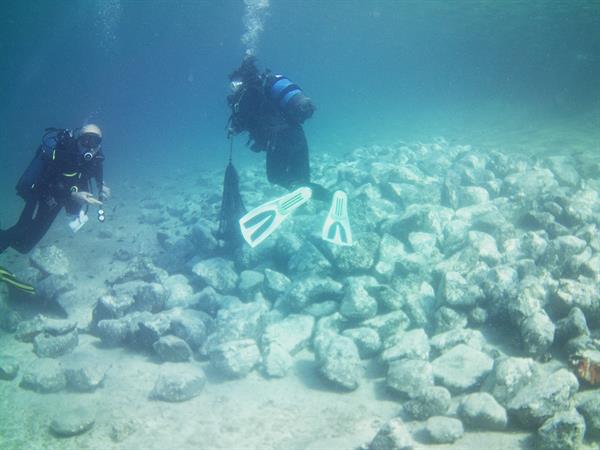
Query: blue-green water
[153,74]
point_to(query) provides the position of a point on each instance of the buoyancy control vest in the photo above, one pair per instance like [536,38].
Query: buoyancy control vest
[289,98]
[36,174]
[33,175]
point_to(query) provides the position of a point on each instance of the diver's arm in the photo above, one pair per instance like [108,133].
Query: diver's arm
[98,175]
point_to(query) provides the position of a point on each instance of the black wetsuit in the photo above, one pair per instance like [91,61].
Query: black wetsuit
[271,131]
[46,187]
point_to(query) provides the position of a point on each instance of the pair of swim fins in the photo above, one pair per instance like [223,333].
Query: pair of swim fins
[9,278]
[261,222]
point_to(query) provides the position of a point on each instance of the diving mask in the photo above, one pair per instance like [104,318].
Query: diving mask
[89,144]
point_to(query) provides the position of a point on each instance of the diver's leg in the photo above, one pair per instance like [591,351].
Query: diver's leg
[13,234]
[33,225]
[277,163]
[299,165]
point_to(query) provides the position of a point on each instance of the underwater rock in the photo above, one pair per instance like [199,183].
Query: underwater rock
[292,333]
[367,341]
[250,283]
[173,349]
[150,329]
[326,328]
[203,239]
[149,297]
[211,301]
[589,408]
[306,290]
[181,293]
[321,309]
[530,300]
[509,376]
[72,422]
[477,316]
[481,411]
[432,401]
[405,194]
[50,260]
[446,319]
[410,377]
[563,168]
[582,207]
[500,286]
[485,247]
[9,368]
[217,273]
[47,346]
[461,368]
[532,183]
[559,253]
[178,383]
[358,258]
[51,287]
[444,430]
[308,260]
[454,236]
[244,321]
[390,251]
[27,330]
[44,375]
[413,344]
[419,303]
[235,358]
[582,294]
[357,303]
[472,195]
[84,372]
[339,362]
[9,318]
[122,429]
[110,307]
[563,431]
[542,398]
[424,244]
[442,342]
[113,332]
[534,244]
[140,269]
[276,361]
[393,435]
[192,326]
[388,324]
[456,292]
[57,327]
[427,218]
[275,283]
[537,333]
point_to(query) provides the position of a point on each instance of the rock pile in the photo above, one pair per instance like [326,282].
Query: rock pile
[450,245]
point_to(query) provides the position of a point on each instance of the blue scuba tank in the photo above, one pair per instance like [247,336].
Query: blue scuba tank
[289,98]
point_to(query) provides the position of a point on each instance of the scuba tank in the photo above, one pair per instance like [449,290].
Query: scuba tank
[31,178]
[289,98]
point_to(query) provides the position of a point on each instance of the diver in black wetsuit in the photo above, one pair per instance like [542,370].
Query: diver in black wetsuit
[58,176]
[272,109]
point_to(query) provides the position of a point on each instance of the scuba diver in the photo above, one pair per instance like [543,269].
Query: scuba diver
[272,109]
[58,176]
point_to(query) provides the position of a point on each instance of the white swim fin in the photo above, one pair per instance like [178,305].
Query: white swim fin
[261,222]
[336,228]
